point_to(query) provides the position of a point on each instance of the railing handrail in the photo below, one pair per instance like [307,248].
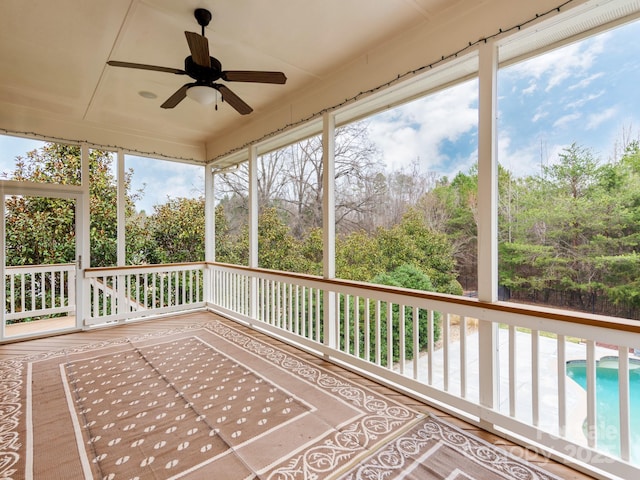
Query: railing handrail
[40,268]
[582,318]
[97,271]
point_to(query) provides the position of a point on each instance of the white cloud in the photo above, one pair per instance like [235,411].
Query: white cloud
[566,119]
[527,158]
[594,120]
[539,115]
[585,82]
[419,128]
[584,100]
[521,161]
[530,89]
[568,62]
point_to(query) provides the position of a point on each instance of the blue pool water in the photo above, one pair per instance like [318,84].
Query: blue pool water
[607,403]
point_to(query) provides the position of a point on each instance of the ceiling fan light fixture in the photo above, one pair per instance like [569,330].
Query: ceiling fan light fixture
[202,94]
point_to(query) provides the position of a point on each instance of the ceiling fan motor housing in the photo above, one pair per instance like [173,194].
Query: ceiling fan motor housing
[203,74]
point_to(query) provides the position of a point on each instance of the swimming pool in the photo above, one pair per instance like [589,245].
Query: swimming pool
[607,402]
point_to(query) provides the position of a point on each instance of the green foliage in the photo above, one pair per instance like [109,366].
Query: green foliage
[41,230]
[277,247]
[178,230]
[229,249]
[311,250]
[574,229]
[358,257]
[406,276]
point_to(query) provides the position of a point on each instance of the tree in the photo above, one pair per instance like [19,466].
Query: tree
[41,230]
[291,181]
[406,276]
[574,237]
[177,228]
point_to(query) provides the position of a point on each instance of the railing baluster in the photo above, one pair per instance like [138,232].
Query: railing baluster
[356,326]
[54,283]
[367,329]
[296,314]
[280,294]
[274,305]
[268,302]
[161,290]
[377,330]
[446,323]
[402,354]
[591,394]
[43,290]
[184,287]
[562,385]
[292,307]
[535,377]
[318,336]
[623,392]
[13,294]
[346,324]
[264,297]
[304,310]
[430,345]
[154,295]
[513,360]
[416,340]
[106,305]
[389,335]
[463,356]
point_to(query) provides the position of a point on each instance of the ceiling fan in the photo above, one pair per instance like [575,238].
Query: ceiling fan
[206,70]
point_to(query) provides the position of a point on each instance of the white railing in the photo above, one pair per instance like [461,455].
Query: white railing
[118,294]
[503,366]
[39,290]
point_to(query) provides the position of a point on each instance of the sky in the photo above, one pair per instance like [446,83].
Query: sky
[161,179]
[158,179]
[586,92]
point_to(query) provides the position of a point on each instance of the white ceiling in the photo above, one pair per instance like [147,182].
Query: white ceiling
[54,80]
[54,53]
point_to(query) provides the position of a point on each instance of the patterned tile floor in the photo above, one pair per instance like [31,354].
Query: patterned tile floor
[75,339]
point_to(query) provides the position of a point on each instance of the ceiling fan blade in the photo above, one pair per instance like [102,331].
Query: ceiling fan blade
[199,47]
[141,66]
[177,97]
[233,100]
[253,76]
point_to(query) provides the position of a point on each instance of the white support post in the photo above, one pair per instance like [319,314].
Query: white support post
[121,210]
[83,242]
[487,220]
[121,286]
[3,249]
[329,227]
[253,228]
[209,215]
[209,231]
